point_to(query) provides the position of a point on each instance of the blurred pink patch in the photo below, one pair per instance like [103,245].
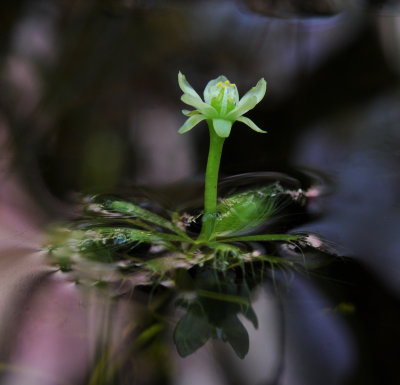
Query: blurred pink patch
[313,192]
[314,241]
[50,346]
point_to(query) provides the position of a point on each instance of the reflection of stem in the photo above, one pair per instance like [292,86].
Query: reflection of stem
[211,184]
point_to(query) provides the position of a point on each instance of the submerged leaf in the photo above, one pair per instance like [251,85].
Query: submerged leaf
[248,311]
[192,332]
[250,314]
[237,336]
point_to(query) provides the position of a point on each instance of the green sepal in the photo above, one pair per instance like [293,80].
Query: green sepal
[222,127]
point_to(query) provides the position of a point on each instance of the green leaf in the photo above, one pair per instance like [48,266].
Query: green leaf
[251,124]
[118,237]
[245,211]
[192,332]
[128,208]
[222,127]
[265,238]
[190,123]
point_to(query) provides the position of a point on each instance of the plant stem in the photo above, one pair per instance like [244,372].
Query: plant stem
[211,185]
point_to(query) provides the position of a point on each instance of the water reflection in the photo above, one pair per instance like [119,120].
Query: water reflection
[212,311]
[214,286]
[365,170]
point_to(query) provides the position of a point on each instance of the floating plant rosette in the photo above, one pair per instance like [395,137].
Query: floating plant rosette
[207,256]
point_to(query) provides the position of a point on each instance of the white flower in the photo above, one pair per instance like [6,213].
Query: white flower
[221,104]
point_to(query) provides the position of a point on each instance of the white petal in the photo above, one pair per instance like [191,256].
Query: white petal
[190,113]
[204,108]
[208,93]
[190,123]
[186,87]
[258,90]
[251,124]
[245,105]
[249,100]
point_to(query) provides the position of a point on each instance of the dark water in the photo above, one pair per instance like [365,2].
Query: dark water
[89,104]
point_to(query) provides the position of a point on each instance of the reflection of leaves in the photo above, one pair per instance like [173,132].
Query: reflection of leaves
[195,329]
[213,313]
[245,211]
[192,331]
[148,334]
[249,313]
[236,334]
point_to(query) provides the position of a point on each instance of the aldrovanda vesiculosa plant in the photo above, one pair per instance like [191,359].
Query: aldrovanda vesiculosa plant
[220,109]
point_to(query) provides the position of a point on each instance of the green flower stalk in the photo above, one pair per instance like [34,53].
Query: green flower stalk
[221,108]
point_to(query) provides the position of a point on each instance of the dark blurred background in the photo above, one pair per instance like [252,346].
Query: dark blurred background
[90,96]
[89,102]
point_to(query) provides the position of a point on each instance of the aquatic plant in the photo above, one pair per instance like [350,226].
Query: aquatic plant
[221,109]
[127,242]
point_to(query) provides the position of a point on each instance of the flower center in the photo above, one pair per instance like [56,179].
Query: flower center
[224,97]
